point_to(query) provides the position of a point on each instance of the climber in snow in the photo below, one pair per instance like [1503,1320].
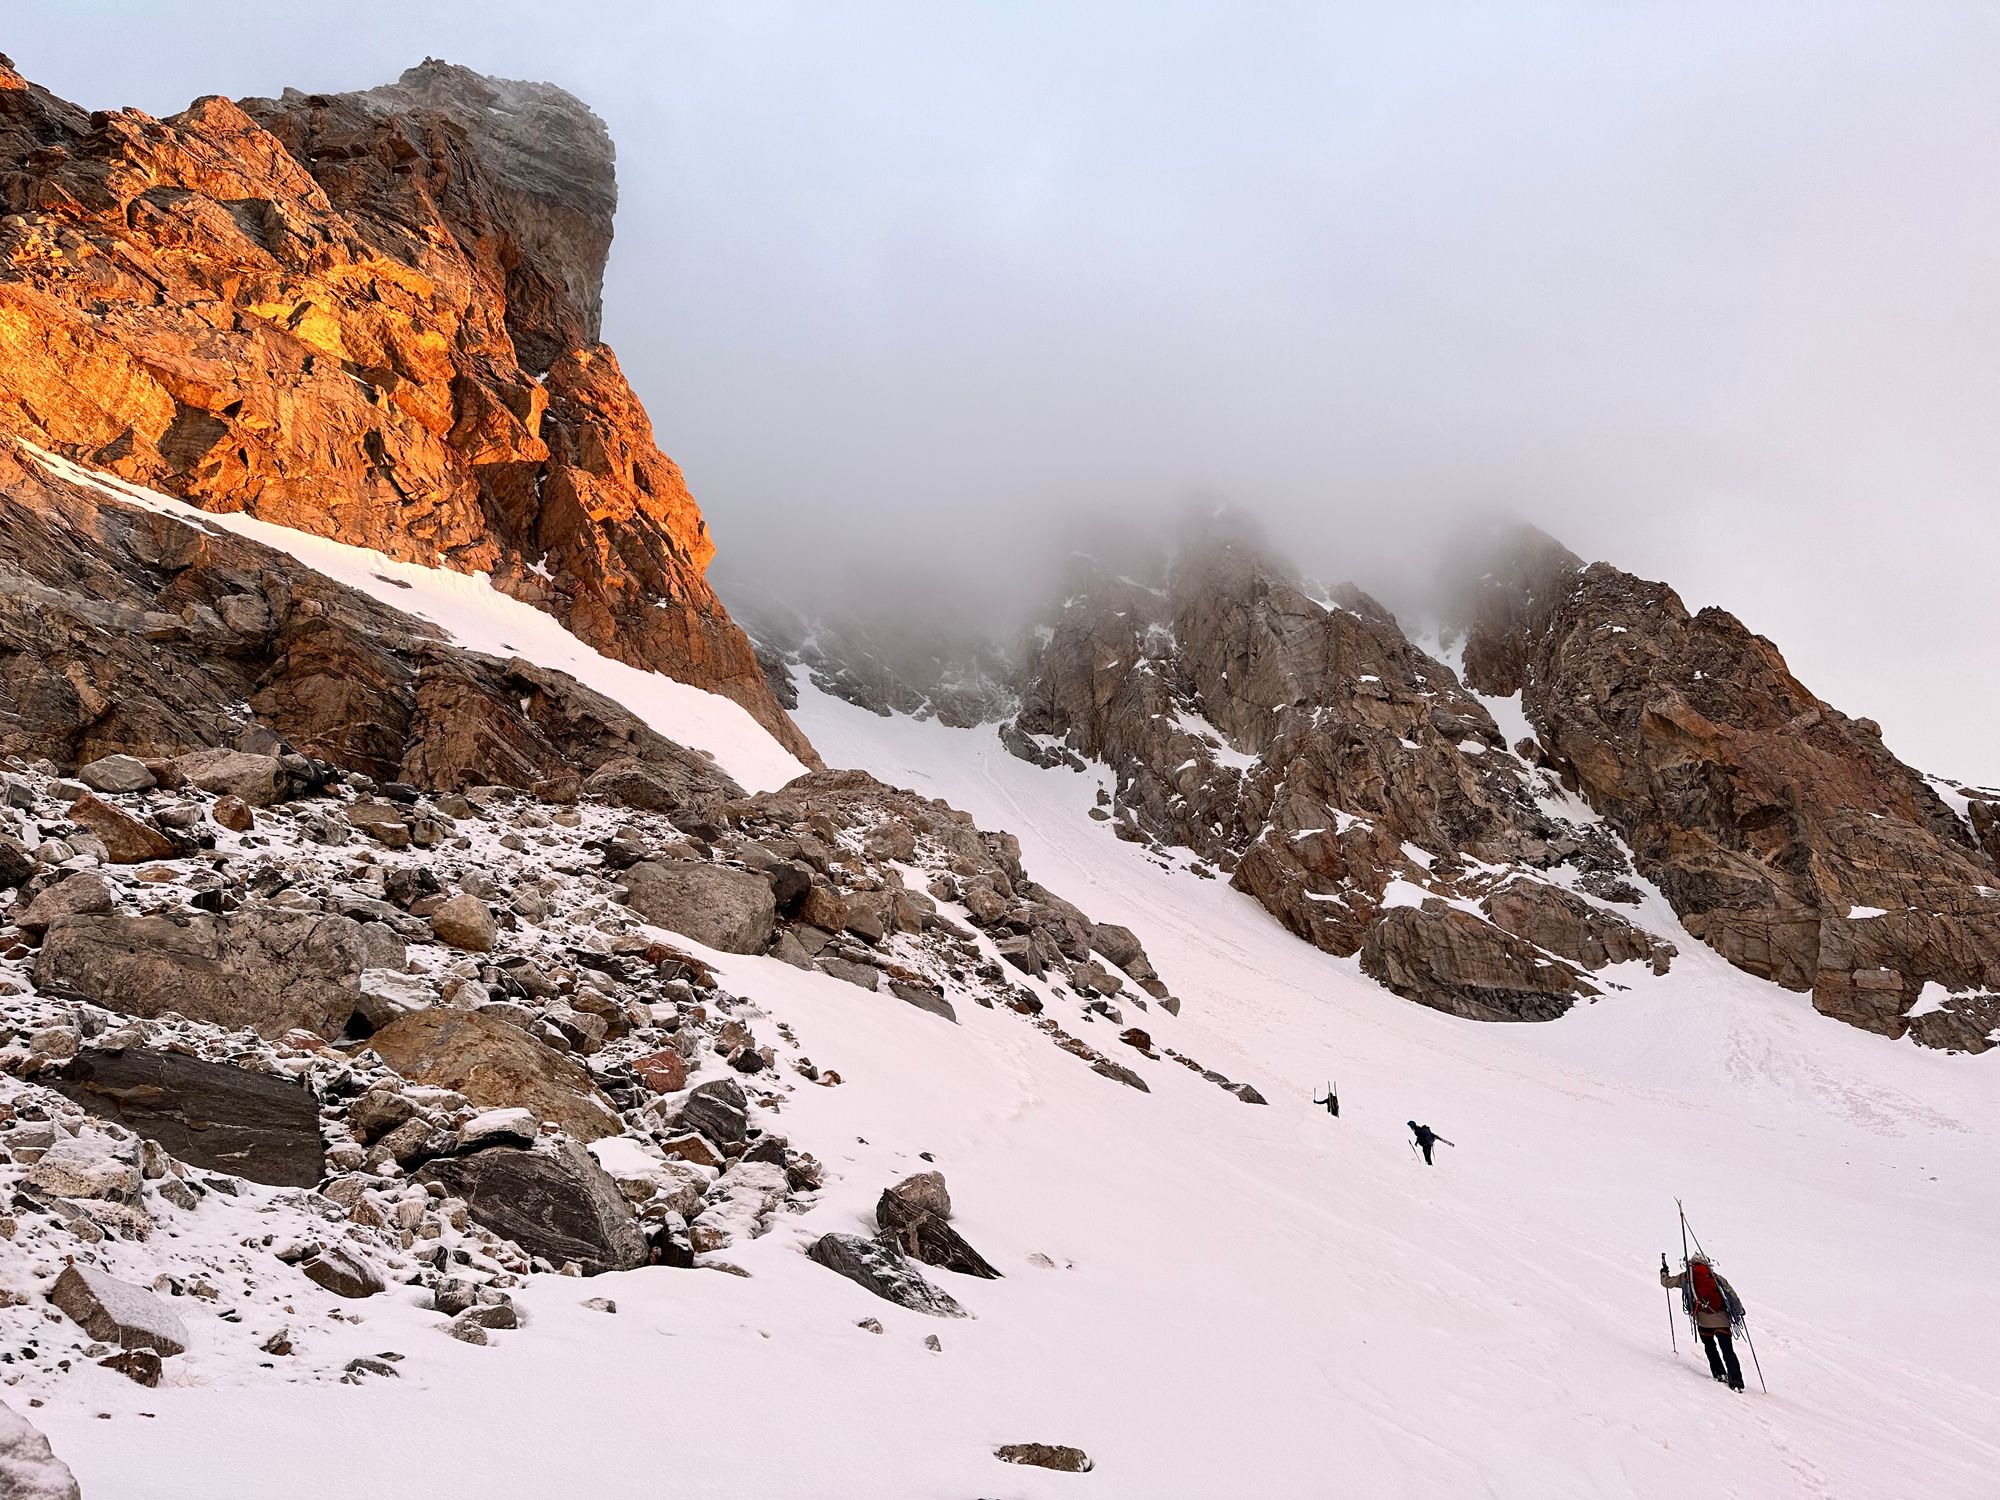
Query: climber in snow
[1715,1310]
[1331,1101]
[1427,1138]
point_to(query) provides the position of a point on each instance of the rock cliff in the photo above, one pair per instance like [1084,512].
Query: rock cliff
[1785,833]
[371,316]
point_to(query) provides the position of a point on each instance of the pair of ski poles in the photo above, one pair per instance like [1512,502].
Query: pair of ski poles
[1672,1336]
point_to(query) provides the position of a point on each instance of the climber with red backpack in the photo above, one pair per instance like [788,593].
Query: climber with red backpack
[1715,1310]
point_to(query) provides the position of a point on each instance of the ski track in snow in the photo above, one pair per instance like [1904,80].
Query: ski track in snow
[1245,1301]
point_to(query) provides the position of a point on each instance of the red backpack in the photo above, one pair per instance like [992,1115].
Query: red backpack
[1707,1295]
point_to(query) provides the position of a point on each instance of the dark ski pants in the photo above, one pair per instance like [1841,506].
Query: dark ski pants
[1722,1365]
[1426,1147]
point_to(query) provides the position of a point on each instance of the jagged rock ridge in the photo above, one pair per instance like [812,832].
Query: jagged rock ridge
[1785,833]
[368,316]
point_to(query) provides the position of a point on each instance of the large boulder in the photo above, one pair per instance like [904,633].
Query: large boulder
[85,893]
[116,1312]
[127,840]
[116,773]
[266,968]
[497,1066]
[465,922]
[254,779]
[554,1202]
[211,1115]
[878,1268]
[725,908]
[29,1468]
[907,1217]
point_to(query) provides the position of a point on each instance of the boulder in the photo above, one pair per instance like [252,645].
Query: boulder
[29,1468]
[127,840]
[85,893]
[867,976]
[252,779]
[879,1269]
[923,1235]
[465,922]
[926,997]
[342,1271]
[116,1312]
[555,1202]
[116,773]
[234,814]
[496,1066]
[663,1072]
[267,968]
[718,1110]
[210,1115]
[925,1191]
[85,1167]
[499,1127]
[1060,1457]
[724,908]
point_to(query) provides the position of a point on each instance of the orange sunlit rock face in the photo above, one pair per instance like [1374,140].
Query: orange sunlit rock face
[371,316]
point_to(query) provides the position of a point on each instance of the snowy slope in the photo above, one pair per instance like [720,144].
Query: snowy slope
[471,613]
[1242,1300]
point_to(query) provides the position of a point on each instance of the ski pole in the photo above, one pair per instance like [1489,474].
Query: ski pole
[1672,1337]
[1756,1363]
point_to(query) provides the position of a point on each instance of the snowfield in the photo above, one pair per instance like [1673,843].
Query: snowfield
[1212,1298]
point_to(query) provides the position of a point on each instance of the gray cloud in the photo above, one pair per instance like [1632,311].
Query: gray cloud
[1707,290]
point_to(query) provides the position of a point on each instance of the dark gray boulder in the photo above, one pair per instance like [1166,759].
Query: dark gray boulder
[211,1115]
[718,1111]
[556,1203]
[923,1235]
[882,1270]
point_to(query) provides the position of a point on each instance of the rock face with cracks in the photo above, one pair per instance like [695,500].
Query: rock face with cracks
[372,316]
[1785,833]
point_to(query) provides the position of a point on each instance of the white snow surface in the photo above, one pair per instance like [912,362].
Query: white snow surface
[1236,1300]
[471,613]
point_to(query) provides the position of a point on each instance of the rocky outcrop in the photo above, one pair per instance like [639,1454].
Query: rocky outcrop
[1785,833]
[555,1203]
[1297,740]
[127,631]
[212,1115]
[370,316]
[269,969]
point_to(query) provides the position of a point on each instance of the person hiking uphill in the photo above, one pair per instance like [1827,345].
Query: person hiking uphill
[1711,1302]
[1331,1101]
[1426,1138]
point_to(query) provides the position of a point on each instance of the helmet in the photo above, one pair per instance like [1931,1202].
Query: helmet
[1411,1123]
[1700,1258]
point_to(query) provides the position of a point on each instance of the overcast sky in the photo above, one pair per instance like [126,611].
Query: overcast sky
[1710,291]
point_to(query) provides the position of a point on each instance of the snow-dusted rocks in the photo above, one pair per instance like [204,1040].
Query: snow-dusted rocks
[268,968]
[76,1167]
[29,1468]
[878,1268]
[252,779]
[214,1115]
[555,1202]
[115,1312]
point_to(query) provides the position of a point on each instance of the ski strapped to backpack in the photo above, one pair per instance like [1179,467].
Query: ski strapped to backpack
[1717,1295]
